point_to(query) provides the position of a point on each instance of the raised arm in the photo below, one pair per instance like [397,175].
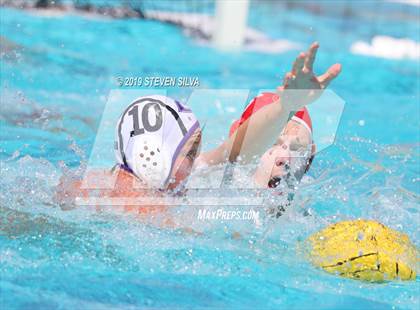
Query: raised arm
[300,87]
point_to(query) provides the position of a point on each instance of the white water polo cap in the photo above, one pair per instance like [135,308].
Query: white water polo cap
[149,136]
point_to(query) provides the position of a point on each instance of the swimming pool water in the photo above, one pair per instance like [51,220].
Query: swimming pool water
[56,73]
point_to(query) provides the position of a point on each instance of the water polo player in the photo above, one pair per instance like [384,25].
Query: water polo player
[158,139]
[292,152]
[263,119]
[162,155]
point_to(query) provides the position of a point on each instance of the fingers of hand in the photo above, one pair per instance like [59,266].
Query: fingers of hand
[331,74]
[298,64]
[287,78]
[310,57]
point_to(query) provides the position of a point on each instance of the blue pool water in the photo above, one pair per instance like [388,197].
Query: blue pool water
[56,74]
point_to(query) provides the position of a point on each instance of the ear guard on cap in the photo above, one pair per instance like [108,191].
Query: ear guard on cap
[148,161]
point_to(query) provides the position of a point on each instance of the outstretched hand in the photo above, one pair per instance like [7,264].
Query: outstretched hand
[301,86]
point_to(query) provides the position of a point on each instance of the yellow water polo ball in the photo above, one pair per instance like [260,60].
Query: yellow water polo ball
[364,250]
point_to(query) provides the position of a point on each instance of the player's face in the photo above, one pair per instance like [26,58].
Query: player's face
[185,160]
[288,156]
